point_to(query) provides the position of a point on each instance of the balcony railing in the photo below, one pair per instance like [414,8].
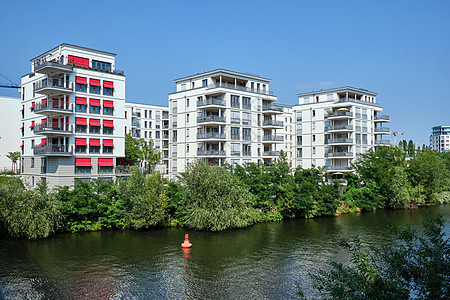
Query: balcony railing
[339,127]
[53,149]
[235,153]
[382,142]
[339,141]
[39,66]
[382,117]
[211,101]
[42,106]
[337,168]
[53,84]
[382,129]
[272,108]
[246,153]
[211,152]
[273,138]
[273,123]
[247,137]
[271,153]
[51,127]
[210,135]
[239,88]
[339,114]
[357,101]
[338,154]
[210,119]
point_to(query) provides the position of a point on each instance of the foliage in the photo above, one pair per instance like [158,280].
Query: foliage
[14,157]
[132,149]
[139,150]
[149,154]
[144,199]
[214,199]
[415,265]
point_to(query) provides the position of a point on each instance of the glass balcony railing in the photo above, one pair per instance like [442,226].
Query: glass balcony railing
[51,127]
[204,119]
[239,88]
[273,138]
[210,135]
[210,152]
[339,127]
[339,141]
[53,150]
[211,101]
[382,118]
[273,123]
[339,114]
[271,153]
[382,129]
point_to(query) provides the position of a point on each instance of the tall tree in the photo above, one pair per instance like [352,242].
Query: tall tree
[411,148]
[14,157]
[132,149]
[149,154]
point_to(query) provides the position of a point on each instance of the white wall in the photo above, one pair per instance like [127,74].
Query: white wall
[9,129]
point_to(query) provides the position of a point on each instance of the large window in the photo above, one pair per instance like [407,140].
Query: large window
[108,130]
[234,101]
[235,133]
[94,129]
[246,134]
[94,109]
[80,128]
[94,149]
[80,149]
[93,89]
[83,169]
[108,150]
[108,111]
[246,118]
[235,117]
[108,91]
[101,66]
[80,87]
[80,108]
[246,103]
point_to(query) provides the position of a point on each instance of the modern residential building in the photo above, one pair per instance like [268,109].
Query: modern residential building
[150,122]
[9,129]
[73,116]
[334,126]
[224,117]
[440,138]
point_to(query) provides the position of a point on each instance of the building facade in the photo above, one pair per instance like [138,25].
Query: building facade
[332,127]
[73,116]
[9,129]
[440,138]
[223,116]
[151,123]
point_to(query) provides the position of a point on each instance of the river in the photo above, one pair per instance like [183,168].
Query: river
[265,261]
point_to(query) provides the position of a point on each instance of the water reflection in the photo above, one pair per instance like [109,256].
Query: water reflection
[266,261]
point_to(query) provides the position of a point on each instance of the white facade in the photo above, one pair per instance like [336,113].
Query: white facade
[150,122]
[224,117]
[9,129]
[332,127]
[73,120]
[440,139]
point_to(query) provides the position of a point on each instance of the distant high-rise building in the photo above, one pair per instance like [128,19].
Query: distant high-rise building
[440,138]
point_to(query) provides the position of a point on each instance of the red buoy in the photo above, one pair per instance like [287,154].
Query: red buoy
[186,243]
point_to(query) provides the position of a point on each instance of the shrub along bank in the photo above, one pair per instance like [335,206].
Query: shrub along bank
[219,198]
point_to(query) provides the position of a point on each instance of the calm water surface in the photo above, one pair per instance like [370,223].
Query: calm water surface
[266,261]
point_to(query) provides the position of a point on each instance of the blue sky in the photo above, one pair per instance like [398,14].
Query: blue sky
[399,49]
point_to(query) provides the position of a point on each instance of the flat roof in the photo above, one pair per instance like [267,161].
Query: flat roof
[225,71]
[76,47]
[340,89]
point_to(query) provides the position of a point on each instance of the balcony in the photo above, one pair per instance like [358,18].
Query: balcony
[382,143]
[239,88]
[49,108]
[338,168]
[341,100]
[382,130]
[53,150]
[136,124]
[211,119]
[235,153]
[273,138]
[382,118]
[337,128]
[53,86]
[339,141]
[339,115]
[339,154]
[211,136]
[211,102]
[272,124]
[271,109]
[50,68]
[211,153]
[271,153]
[53,128]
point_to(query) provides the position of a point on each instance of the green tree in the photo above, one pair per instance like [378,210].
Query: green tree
[411,149]
[214,199]
[149,154]
[132,149]
[14,157]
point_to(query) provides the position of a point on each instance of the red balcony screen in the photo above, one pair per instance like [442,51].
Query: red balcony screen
[32,124]
[43,142]
[94,122]
[95,82]
[108,84]
[79,61]
[80,121]
[80,142]
[105,162]
[23,107]
[44,121]
[83,162]
[23,125]
[94,102]
[32,105]
[81,100]
[108,103]
[22,144]
[108,123]
[94,142]
[108,143]
[81,80]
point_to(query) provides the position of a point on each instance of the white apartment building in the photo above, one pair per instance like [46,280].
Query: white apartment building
[150,122]
[224,117]
[9,129]
[73,107]
[440,138]
[332,127]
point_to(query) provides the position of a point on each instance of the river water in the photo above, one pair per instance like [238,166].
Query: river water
[266,261]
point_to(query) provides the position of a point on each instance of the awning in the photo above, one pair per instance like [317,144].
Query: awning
[108,123]
[80,121]
[94,142]
[108,84]
[43,142]
[94,122]
[95,82]
[80,142]
[83,162]
[32,105]
[105,162]
[23,125]
[108,103]
[32,124]
[108,143]
[23,143]
[94,102]
[81,100]
[44,121]
[81,80]
[23,107]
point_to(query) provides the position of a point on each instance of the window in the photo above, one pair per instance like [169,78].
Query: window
[94,149]
[80,149]
[174,136]
[299,152]
[364,139]
[235,117]
[101,66]
[105,169]
[32,144]
[94,109]
[94,129]
[32,162]
[246,103]
[234,101]
[246,118]
[187,132]
[187,148]
[235,149]
[235,133]
[145,113]
[187,102]
[314,138]
[108,111]
[246,134]
[187,117]
[108,150]
[145,124]
[246,150]
[174,107]
[108,91]
[80,108]
[80,128]
[158,134]
[299,140]
[93,89]
[314,150]
[108,130]
[313,113]
[174,151]
[83,169]
[78,61]
[204,82]
[80,87]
